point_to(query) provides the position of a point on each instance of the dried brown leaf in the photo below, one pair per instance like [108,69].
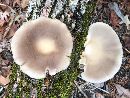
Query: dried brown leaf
[122,91]
[7,16]
[16,2]
[127,42]
[4,80]
[1,23]
[114,19]
[98,95]
[7,1]
[24,3]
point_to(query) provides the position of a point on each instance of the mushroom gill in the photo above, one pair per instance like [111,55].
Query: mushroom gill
[103,53]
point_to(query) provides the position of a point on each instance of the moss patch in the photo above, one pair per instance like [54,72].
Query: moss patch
[63,81]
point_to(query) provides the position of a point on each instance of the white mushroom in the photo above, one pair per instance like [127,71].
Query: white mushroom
[103,53]
[40,45]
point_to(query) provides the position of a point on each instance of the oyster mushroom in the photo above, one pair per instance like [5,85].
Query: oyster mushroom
[103,53]
[40,45]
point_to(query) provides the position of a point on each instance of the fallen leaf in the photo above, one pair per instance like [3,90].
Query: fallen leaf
[122,91]
[98,95]
[5,71]
[4,80]
[7,1]
[24,3]
[16,2]
[114,6]
[1,23]
[6,20]
[127,42]
[114,19]
[5,16]
[126,39]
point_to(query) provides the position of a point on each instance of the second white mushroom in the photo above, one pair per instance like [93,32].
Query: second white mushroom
[103,53]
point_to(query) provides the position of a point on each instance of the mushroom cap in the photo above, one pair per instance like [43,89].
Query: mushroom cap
[45,46]
[40,45]
[103,53]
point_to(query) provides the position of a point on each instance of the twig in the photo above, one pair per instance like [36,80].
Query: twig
[126,50]
[103,90]
[80,89]
[96,87]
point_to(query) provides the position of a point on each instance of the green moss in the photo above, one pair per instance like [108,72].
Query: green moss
[39,85]
[63,81]
[12,78]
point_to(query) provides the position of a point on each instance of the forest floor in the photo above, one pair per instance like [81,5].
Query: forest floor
[116,13]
